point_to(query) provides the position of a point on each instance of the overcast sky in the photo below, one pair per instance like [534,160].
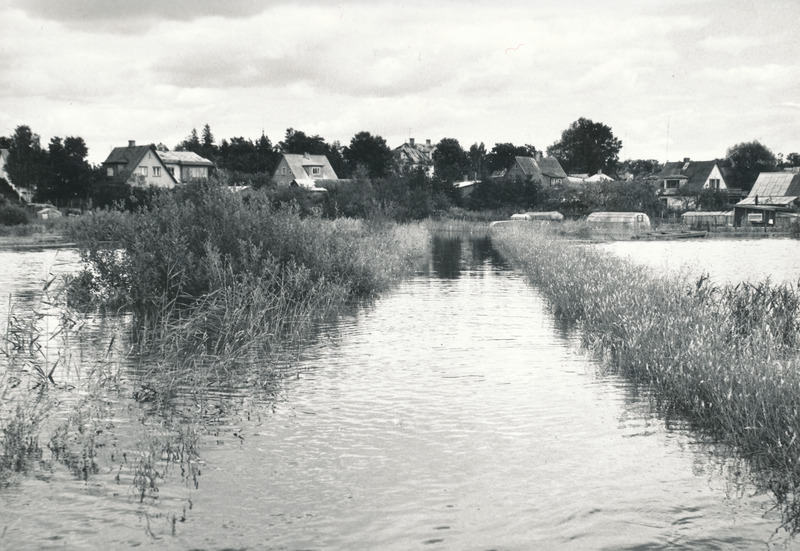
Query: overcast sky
[672,78]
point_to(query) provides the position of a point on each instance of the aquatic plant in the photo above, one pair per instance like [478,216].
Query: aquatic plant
[725,357]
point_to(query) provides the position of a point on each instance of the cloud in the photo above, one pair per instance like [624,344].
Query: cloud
[92,11]
[732,45]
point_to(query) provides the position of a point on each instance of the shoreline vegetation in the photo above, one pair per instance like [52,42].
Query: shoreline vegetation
[724,357]
[199,291]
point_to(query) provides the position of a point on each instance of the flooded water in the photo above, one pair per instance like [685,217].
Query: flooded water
[453,413]
[724,260]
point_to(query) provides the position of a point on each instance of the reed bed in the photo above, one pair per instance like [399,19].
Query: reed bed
[215,281]
[725,357]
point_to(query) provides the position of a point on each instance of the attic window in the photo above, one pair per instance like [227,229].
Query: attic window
[143,170]
[110,171]
[283,171]
[156,171]
[316,171]
[672,184]
[713,183]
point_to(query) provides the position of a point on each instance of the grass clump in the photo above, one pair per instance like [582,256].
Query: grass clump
[210,275]
[724,357]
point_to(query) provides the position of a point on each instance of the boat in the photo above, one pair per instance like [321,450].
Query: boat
[670,234]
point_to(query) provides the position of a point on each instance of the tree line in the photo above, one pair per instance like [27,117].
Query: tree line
[60,172]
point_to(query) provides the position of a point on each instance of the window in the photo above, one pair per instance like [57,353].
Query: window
[316,171]
[110,171]
[283,171]
[556,181]
[171,170]
[672,184]
[143,170]
[156,171]
[713,183]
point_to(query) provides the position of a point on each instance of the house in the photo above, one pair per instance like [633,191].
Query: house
[546,170]
[773,195]
[186,166]
[680,182]
[138,165]
[412,155]
[303,170]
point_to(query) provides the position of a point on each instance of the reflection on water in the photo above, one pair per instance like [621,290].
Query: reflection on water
[452,412]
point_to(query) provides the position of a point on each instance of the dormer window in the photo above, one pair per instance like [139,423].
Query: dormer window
[672,184]
[316,171]
[110,171]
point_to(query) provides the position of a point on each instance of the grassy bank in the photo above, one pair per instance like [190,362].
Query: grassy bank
[724,357]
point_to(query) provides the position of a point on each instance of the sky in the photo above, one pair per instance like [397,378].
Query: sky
[672,78]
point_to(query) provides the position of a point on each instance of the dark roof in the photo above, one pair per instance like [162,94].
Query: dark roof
[694,172]
[551,167]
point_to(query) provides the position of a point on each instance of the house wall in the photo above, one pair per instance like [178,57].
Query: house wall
[715,174]
[283,174]
[189,173]
[156,172]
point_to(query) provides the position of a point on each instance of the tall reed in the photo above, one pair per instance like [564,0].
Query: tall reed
[726,357]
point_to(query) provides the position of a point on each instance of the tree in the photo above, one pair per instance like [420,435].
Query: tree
[450,162]
[368,151]
[28,164]
[746,161]
[587,146]
[190,143]
[503,154]
[793,159]
[70,171]
[478,160]
[208,149]
[641,168]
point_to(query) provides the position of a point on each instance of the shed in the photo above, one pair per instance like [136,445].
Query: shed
[708,220]
[619,224]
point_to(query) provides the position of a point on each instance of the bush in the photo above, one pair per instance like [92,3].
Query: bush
[11,215]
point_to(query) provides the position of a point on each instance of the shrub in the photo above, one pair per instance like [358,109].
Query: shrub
[11,215]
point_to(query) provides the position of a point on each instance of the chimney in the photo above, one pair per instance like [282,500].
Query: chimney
[686,159]
[131,143]
[428,143]
[538,155]
[305,155]
[411,142]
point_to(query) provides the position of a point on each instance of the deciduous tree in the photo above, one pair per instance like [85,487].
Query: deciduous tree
[368,151]
[587,146]
[747,160]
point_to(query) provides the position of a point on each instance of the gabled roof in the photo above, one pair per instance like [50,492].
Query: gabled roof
[183,158]
[551,167]
[694,172]
[298,163]
[415,154]
[130,157]
[774,188]
[535,168]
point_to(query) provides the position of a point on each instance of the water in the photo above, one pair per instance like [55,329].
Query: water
[454,413]
[726,261]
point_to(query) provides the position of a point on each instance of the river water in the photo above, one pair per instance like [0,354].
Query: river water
[453,413]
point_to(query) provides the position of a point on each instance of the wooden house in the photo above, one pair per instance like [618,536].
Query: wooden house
[138,165]
[679,182]
[773,194]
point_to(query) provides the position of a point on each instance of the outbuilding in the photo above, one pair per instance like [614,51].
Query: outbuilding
[619,224]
